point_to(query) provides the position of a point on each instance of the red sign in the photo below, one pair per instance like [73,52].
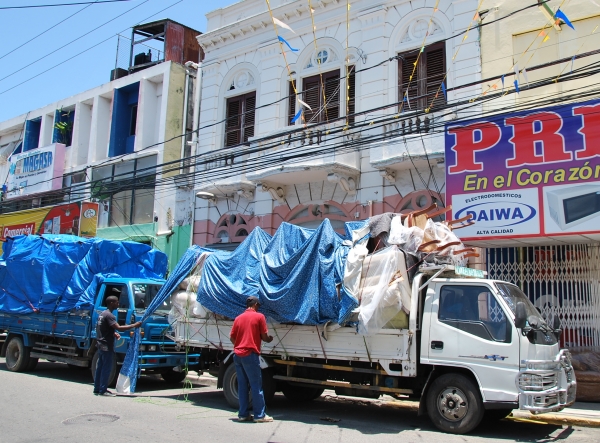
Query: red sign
[11,231]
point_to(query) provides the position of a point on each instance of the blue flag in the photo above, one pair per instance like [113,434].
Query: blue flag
[444,90]
[517,86]
[502,79]
[297,116]
[282,40]
[561,15]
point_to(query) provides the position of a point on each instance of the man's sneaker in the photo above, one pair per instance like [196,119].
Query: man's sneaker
[265,419]
[96,393]
[108,394]
[249,418]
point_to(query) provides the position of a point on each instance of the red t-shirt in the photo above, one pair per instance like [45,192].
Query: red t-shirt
[246,331]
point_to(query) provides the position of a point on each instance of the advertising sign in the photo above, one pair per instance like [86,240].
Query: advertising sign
[38,170]
[74,218]
[527,174]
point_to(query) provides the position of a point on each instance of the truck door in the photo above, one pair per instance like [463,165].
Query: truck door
[469,328]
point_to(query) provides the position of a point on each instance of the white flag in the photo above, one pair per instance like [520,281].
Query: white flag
[283,25]
[304,104]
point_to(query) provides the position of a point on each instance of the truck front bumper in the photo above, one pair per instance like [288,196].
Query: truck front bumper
[547,385]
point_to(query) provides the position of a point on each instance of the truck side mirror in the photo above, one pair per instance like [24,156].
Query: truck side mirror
[520,315]
[556,322]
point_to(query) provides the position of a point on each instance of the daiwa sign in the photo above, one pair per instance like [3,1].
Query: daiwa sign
[38,170]
[527,174]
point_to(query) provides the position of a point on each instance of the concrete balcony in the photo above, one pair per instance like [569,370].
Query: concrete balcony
[314,154]
[410,141]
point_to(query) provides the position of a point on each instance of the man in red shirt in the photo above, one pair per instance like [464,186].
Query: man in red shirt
[249,328]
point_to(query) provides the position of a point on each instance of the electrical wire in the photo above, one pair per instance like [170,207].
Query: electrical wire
[48,29]
[279,135]
[82,52]
[39,59]
[62,4]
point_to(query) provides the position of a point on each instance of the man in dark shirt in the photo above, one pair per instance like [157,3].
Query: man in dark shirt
[249,328]
[106,331]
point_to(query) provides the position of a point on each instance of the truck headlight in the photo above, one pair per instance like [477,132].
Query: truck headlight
[152,348]
[538,382]
[142,348]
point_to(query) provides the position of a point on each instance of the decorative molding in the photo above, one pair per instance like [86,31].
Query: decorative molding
[242,80]
[419,28]
[372,17]
[416,200]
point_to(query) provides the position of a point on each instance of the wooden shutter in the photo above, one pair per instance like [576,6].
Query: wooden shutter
[436,69]
[249,114]
[332,96]
[241,113]
[291,103]
[405,69]
[233,124]
[426,80]
[351,95]
[311,95]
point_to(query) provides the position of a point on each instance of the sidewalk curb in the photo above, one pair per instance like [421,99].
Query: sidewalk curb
[555,419]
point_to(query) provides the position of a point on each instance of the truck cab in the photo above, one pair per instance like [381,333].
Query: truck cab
[158,354]
[491,333]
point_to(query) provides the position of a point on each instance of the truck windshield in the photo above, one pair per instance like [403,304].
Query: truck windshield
[144,293]
[512,295]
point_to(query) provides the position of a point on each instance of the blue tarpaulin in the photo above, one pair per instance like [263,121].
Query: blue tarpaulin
[185,265]
[295,275]
[57,273]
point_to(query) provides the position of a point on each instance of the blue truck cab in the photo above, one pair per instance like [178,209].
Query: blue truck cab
[70,337]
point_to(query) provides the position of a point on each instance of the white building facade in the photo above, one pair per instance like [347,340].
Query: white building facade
[375,82]
[104,145]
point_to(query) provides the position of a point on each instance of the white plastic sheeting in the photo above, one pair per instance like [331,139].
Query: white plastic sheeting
[384,290]
[353,270]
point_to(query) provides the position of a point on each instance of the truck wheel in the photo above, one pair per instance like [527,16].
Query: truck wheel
[17,355]
[171,376]
[301,393]
[269,385]
[454,404]
[112,378]
[32,363]
[230,387]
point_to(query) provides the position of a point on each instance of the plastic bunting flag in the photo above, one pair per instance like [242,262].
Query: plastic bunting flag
[502,80]
[444,91]
[572,62]
[282,40]
[561,15]
[304,104]
[282,25]
[297,116]
[517,86]
[524,72]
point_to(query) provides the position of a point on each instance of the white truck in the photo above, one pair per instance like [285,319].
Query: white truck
[470,348]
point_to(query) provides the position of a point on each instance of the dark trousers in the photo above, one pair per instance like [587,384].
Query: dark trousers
[249,377]
[105,359]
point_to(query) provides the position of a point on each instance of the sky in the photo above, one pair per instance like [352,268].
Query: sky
[51,60]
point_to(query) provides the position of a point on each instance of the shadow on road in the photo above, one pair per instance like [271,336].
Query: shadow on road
[368,418]
[62,372]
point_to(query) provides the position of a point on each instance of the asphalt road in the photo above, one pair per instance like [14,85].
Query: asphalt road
[55,403]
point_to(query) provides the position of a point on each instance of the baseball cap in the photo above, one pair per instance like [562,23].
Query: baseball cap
[251,301]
